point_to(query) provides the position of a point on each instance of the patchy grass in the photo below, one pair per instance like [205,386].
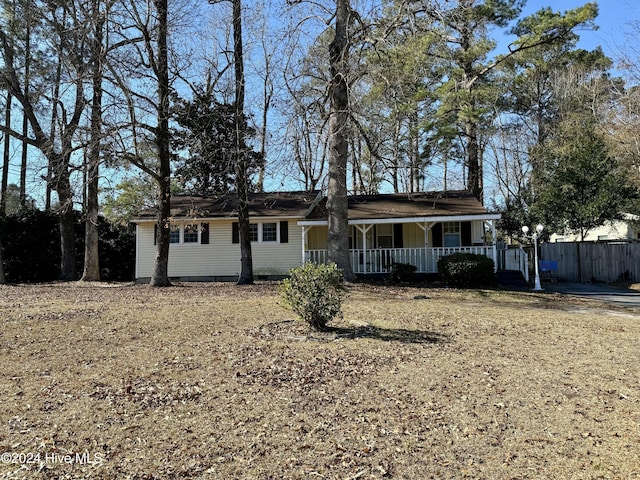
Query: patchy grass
[216,381]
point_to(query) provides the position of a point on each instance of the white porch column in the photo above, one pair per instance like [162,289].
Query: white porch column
[364,229]
[494,244]
[304,242]
[426,226]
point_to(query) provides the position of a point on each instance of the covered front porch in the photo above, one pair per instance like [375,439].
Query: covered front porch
[377,244]
[380,260]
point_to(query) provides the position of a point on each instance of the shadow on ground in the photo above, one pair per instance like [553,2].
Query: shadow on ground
[390,334]
[296,330]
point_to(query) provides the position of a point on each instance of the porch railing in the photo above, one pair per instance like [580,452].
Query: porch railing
[514,258]
[380,260]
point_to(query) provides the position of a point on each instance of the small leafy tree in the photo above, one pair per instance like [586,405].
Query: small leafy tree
[314,292]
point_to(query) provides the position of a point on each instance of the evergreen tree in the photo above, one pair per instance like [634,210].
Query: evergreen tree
[206,138]
[582,185]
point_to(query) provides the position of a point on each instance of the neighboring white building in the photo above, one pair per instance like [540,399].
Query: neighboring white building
[615,230]
[290,228]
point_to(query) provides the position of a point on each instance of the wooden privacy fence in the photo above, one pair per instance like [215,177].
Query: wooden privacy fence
[594,262]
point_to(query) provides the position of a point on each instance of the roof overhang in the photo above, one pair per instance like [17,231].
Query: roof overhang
[381,221]
[234,218]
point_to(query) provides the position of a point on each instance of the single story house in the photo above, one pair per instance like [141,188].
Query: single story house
[625,229]
[289,228]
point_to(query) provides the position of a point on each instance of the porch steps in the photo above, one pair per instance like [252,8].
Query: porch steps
[511,279]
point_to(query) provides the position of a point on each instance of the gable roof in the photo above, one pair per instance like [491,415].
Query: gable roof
[311,206]
[276,204]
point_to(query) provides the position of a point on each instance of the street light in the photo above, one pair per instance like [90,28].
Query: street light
[537,287]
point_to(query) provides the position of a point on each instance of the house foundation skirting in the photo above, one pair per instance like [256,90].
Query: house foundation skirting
[212,278]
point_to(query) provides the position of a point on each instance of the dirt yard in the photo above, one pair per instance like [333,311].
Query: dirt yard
[214,381]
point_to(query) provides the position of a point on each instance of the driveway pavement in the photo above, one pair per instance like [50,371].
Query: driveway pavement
[605,293]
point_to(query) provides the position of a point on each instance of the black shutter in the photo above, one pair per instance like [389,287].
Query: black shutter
[155,233]
[398,241]
[284,231]
[235,233]
[465,234]
[436,235]
[204,234]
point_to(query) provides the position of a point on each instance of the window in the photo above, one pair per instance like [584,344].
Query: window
[451,234]
[384,233]
[253,232]
[190,234]
[269,232]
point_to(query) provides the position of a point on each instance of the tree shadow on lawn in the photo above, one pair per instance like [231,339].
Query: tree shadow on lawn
[298,330]
[401,335]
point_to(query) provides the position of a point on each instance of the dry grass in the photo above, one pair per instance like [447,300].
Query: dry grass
[215,382]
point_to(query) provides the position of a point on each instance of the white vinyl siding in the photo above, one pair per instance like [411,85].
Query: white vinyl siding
[220,257]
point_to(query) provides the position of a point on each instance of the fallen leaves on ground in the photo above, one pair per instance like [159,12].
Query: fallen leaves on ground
[218,381]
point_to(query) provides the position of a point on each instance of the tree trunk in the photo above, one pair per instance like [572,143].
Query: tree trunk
[6,157]
[473,158]
[337,201]
[3,279]
[5,178]
[91,271]
[52,130]
[268,93]
[25,121]
[160,276]
[242,181]
[62,186]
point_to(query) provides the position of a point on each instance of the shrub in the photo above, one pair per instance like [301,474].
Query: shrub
[31,247]
[314,292]
[466,270]
[402,272]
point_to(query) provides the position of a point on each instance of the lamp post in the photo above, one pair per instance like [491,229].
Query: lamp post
[537,287]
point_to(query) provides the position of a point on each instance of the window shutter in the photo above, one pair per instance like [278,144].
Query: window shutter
[155,233]
[204,234]
[398,241]
[235,233]
[436,235]
[465,234]
[284,231]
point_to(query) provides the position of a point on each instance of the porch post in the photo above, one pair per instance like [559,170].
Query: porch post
[425,229]
[494,244]
[426,226]
[304,241]
[364,229]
